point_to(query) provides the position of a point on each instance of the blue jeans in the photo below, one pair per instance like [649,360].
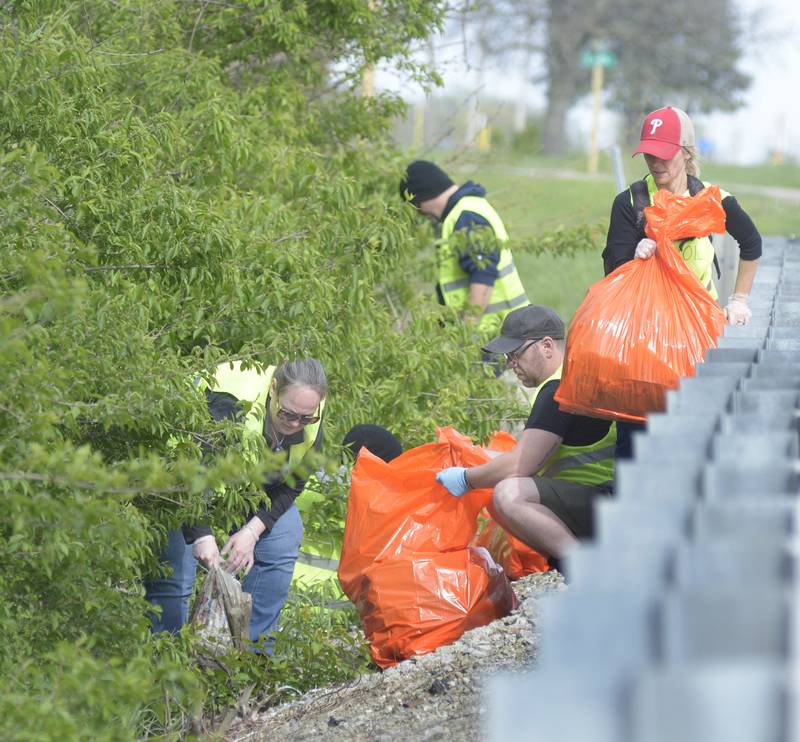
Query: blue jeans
[271,574]
[268,580]
[172,591]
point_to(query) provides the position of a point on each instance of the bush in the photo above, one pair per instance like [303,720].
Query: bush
[178,188]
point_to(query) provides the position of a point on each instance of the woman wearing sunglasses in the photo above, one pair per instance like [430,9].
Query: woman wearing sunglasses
[284,410]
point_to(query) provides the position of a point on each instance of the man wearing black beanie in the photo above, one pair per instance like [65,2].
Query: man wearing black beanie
[477,274]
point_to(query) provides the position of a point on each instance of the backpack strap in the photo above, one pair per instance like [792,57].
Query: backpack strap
[641,200]
[695,185]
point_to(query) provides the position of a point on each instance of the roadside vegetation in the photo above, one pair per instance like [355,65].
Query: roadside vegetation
[181,184]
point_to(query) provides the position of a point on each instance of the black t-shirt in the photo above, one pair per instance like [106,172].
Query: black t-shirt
[574,430]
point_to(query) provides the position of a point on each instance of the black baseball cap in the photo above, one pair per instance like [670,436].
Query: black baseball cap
[533,322]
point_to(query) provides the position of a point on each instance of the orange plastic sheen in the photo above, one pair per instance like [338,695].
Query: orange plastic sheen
[647,324]
[406,561]
[516,559]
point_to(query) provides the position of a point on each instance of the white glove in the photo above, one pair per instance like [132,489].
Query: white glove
[645,249]
[737,311]
[205,549]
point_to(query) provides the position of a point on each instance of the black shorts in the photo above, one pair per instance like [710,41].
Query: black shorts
[571,502]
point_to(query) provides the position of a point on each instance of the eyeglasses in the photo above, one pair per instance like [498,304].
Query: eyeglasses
[290,416]
[515,355]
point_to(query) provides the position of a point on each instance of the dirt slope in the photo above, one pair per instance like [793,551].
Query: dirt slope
[436,697]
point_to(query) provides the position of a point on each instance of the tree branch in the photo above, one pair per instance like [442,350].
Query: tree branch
[23,476]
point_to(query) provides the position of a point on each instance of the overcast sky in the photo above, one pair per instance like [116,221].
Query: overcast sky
[768,121]
[771,117]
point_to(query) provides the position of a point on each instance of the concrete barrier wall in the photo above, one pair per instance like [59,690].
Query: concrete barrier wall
[680,623]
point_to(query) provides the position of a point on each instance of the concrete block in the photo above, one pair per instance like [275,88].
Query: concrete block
[757,558]
[651,521]
[731,355]
[642,482]
[726,481]
[745,518]
[715,623]
[786,380]
[783,343]
[737,370]
[769,369]
[689,444]
[621,634]
[753,422]
[755,329]
[733,701]
[765,402]
[756,448]
[663,424]
[771,355]
[626,565]
[701,396]
[740,342]
[542,708]
[779,331]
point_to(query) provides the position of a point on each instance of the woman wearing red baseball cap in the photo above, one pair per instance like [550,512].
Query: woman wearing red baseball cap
[668,144]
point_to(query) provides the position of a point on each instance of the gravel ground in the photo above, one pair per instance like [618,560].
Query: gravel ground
[434,697]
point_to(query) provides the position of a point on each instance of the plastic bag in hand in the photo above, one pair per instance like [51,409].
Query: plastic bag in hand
[221,612]
[647,324]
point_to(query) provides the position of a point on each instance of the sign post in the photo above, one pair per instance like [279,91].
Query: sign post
[597,59]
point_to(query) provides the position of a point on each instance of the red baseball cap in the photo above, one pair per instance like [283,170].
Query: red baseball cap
[664,132]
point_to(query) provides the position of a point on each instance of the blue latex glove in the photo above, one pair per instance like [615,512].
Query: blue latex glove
[454,480]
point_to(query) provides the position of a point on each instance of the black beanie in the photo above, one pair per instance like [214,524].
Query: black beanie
[375,439]
[423,181]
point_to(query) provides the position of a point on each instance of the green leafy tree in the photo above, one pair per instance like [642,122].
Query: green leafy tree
[681,52]
[182,183]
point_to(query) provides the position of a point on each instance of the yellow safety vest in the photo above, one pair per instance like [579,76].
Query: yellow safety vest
[698,252]
[591,465]
[507,293]
[319,553]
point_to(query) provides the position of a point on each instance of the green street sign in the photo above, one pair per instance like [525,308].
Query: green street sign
[591,58]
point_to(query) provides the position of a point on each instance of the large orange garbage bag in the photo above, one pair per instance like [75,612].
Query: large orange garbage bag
[647,324]
[406,561]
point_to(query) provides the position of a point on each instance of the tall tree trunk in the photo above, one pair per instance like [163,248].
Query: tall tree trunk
[569,26]
[561,93]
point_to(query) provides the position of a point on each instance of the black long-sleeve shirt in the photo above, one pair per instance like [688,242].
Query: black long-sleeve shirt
[224,406]
[624,235]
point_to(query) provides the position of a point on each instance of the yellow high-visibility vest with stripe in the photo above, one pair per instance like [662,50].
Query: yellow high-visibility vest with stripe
[698,252]
[507,293]
[319,553]
[591,465]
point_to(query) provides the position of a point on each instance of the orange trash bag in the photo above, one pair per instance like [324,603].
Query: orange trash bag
[516,559]
[647,324]
[406,561]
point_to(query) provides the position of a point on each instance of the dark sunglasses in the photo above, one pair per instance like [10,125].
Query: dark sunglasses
[514,355]
[294,417]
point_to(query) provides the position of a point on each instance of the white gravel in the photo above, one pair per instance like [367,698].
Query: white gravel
[434,697]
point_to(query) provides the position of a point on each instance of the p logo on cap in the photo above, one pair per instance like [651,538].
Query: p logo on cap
[664,132]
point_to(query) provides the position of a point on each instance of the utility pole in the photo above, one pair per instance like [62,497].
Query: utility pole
[597,58]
